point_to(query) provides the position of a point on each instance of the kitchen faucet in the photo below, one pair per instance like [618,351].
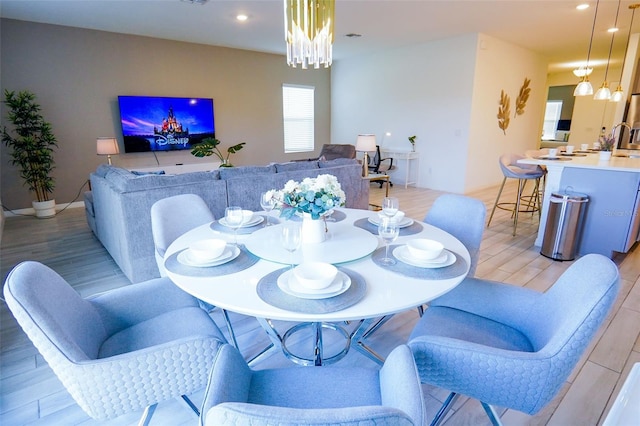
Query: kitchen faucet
[613,130]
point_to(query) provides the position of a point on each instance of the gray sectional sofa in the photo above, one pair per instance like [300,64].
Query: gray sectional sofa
[119,204]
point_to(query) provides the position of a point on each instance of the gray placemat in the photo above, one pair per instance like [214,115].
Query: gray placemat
[412,229]
[269,291]
[451,271]
[244,260]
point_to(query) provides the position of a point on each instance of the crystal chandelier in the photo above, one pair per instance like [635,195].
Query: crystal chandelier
[309,32]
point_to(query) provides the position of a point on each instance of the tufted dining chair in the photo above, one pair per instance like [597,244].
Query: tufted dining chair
[327,396]
[463,217]
[172,217]
[119,351]
[511,346]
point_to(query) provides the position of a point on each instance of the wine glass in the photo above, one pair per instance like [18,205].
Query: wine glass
[233,216]
[267,202]
[388,231]
[291,238]
[390,206]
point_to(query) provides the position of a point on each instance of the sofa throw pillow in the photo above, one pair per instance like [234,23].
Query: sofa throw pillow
[137,173]
[295,165]
[337,162]
[244,171]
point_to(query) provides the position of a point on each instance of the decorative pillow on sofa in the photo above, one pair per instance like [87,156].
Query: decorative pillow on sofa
[244,171]
[137,173]
[296,165]
[336,162]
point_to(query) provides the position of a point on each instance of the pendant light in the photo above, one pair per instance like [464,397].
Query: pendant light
[308,31]
[618,95]
[584,88]
[604,93]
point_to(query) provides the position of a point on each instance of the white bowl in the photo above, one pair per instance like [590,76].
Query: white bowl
[247,215]
[206,250]
[424,249]
[315,275]
[396,217]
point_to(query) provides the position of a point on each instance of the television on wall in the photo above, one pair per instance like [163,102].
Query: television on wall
[151,123]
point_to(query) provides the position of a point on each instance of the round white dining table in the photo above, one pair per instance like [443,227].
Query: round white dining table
[350,247]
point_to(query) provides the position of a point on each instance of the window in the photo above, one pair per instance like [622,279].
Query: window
[551,117]
[297,113]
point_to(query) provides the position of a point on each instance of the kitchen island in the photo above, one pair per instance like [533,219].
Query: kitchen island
[612,218]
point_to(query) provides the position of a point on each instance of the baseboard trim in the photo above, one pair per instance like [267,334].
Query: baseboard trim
[32,212]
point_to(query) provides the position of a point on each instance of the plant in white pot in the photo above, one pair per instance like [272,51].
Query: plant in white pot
[606,146]
[31,142]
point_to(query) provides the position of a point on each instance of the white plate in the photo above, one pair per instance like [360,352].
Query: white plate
[446,259]
[288,284]
[375,220]
[255,220]
[229,253]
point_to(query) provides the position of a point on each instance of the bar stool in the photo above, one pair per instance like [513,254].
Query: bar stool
[524,203]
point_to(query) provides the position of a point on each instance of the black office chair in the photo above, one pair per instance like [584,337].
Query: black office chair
[376,165]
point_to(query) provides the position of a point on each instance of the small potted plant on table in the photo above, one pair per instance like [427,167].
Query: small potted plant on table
[606,146]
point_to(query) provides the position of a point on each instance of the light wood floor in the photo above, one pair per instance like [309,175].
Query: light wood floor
[30,394]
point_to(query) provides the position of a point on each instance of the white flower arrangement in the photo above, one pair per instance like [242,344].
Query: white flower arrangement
[315,196]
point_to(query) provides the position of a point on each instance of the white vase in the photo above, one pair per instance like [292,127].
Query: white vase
[312,231]
[605,155]
[44,209]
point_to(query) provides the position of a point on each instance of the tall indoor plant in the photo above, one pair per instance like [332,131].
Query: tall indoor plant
[31,142]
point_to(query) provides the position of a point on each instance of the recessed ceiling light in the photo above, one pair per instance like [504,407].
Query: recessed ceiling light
[612,30]
[582,6]
[242,17]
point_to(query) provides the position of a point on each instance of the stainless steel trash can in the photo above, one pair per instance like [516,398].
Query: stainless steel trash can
[564,225]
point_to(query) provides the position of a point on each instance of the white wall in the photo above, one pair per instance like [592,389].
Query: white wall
[445,92]
[420,90]
[503,66]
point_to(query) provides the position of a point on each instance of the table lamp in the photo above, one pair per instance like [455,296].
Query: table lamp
[108,147]
[365,143]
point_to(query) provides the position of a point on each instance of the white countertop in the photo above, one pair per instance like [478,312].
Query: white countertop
[592,161]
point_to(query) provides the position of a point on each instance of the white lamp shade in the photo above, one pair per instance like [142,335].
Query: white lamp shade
[603,93]
[584,88]
[618,95]
[366,143]
[582,71]
[107,146]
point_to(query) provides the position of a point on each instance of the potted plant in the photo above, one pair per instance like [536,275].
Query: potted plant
[31,142]
[606,146]
[209,147]
[412,140]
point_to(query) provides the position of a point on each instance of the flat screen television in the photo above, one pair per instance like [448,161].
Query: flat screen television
[152,123]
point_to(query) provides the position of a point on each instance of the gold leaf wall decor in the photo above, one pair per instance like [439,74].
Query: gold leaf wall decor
[523,97]
[504,111]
